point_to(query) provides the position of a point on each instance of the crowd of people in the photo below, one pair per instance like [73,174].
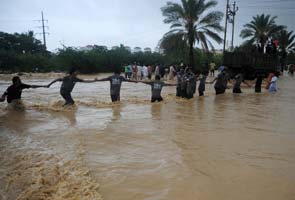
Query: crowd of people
[186,82]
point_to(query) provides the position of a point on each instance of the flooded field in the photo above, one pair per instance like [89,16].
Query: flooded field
[225,147]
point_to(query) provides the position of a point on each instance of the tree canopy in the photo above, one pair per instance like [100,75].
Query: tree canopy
[192,22]
[260,29]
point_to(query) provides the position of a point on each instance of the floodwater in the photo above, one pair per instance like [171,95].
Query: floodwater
[225,147]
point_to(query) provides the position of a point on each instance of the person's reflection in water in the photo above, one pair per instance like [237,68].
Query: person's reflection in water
[219,105]
[70,115]
[201,108]
[116,112]
[14,119]
[156,110]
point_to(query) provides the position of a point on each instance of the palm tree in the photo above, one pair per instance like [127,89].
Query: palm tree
[260,29]
[286,45]
[286,41]
[190,23]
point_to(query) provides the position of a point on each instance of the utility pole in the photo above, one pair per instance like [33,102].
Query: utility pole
[43,28]
[225,27]
[233,13]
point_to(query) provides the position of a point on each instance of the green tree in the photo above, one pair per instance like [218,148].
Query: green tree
[22,52]
[286,45]
[260,29]
[286,41]
[191,23]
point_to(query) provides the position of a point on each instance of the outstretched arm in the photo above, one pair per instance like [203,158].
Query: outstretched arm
[38,86]
[3,97]
[88,81]
[59,79]
[101,80]
[246,83]
[212,81]
[145,82]
[26,86]
[85,81]
[132,81]
[170,84]
[231,81]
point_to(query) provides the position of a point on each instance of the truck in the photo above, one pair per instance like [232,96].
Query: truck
[251,63]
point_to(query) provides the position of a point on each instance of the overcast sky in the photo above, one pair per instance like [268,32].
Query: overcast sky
[114,22]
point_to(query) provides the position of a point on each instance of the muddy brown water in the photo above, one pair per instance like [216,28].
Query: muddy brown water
[211,148]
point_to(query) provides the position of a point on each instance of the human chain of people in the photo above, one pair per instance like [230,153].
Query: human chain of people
[186,83]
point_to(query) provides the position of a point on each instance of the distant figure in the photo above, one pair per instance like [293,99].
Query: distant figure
[134,72]
[157,71]
[144,72]
[68,84]
[126,71]
[150,72]
[157,86]
[14,91]
[171,73]
[212,69]
[116,82]
[273,83]
[139,72]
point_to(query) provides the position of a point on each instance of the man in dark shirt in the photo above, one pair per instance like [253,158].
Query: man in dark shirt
[258,83]
[202,78]
[68,83]
[116,82]
[179,76]
[191,85]
[238,80]
[157,86]
[220,85]
[14,91]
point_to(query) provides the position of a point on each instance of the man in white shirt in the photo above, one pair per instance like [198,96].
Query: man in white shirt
[139,72]
[144,72]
